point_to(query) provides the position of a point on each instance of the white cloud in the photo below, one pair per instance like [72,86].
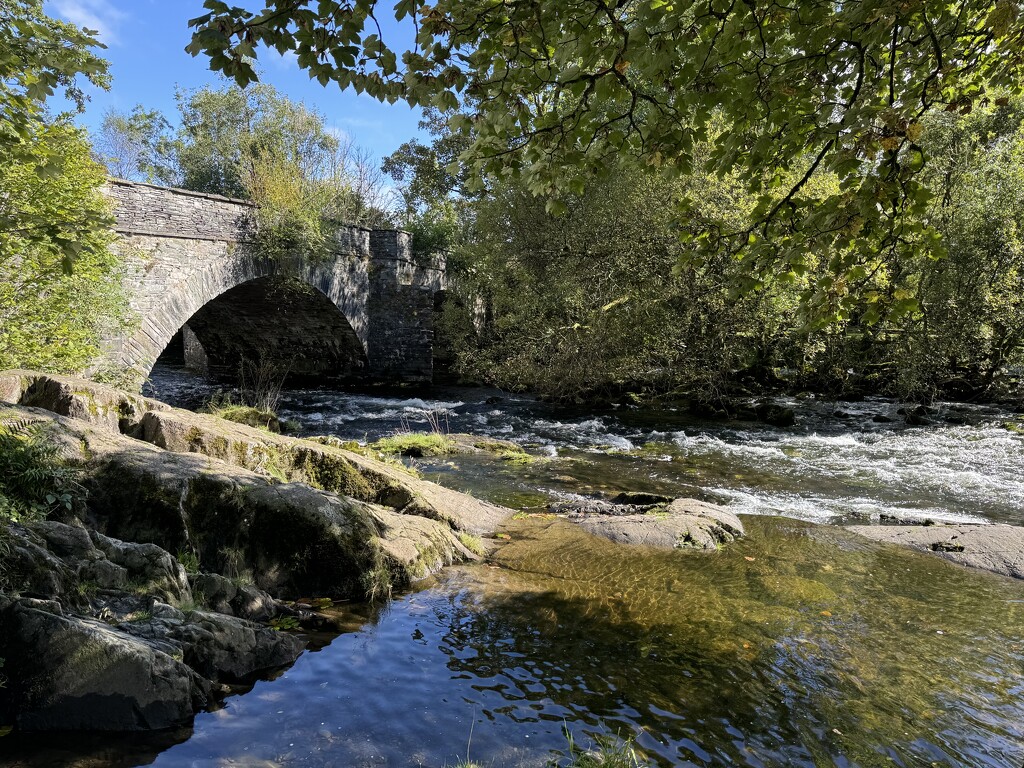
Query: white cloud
[100,15]
[289,60]
[339,133]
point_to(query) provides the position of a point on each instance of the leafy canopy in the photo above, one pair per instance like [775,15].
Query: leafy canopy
[803,89]
[39,55]
[52,318]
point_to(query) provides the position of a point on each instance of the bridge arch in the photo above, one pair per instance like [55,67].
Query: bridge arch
[224,280]
[188,250]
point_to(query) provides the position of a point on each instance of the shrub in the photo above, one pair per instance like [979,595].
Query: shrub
[35,480]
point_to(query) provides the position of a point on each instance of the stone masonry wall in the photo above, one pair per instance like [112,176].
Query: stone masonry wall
[188,248]
[145,209]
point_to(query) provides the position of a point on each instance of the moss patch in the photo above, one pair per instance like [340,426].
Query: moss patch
[472,543]
[334,474]
[244,414]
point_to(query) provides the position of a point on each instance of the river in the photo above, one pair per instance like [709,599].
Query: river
[801,645]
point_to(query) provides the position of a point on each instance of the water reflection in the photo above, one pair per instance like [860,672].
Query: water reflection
[801,645]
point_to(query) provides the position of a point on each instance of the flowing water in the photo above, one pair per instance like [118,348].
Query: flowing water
[801,645]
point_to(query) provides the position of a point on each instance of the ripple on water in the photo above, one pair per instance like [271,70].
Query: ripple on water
[799,646]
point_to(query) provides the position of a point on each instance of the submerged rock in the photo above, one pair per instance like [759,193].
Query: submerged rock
[996,548]
[678,524]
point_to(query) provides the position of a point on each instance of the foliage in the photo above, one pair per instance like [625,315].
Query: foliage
[257,144]
[136,146]
[38,55]
[52,319]
[970,326]
[189,560]
[803,90]
[35,480]
[608,296]
[434,196]
[607,752]
[472,543]
[244,414]
[589,302]
[415,444]
[285,623]
[260,381]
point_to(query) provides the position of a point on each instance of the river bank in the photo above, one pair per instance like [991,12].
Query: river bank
[94,607]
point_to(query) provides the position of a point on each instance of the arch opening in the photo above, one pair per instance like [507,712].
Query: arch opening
[272,322]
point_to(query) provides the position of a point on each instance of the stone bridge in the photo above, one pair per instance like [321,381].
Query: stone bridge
[196,284]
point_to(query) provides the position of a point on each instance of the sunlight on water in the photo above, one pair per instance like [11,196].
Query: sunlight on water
[836,464]
[799,646]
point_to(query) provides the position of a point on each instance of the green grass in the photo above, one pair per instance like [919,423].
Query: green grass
[606,752]
[416,444]
[188,560]
[472,543]
[245,414]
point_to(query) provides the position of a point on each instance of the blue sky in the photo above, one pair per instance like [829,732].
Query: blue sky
[146,41]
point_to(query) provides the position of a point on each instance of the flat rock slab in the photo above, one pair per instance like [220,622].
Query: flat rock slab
[680,524]
[996,548]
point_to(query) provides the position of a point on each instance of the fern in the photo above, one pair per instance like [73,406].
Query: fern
[35,479]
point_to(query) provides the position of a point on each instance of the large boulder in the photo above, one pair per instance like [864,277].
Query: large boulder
[77,398]
[996,548]
[319,465]
[289,538]
[232,597]
[219,647]
[678,524]
[73,673]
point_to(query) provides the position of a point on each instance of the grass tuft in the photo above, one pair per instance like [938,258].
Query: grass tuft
[416,444]
[472,543]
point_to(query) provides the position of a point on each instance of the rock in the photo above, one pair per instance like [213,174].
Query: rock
[66,540]
[639,498]
[154,570]
[221,648]
[879,418]
[775,415]
[232,598]
[77,398]
[73,673]
[996,548]
[31,569]
[289,538]
[682,523]
[243,524]
[322,466]
[598,507]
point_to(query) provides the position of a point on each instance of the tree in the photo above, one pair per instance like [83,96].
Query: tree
[137,146]
[817,87]
[433,191]
[51,318]
[38,55]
